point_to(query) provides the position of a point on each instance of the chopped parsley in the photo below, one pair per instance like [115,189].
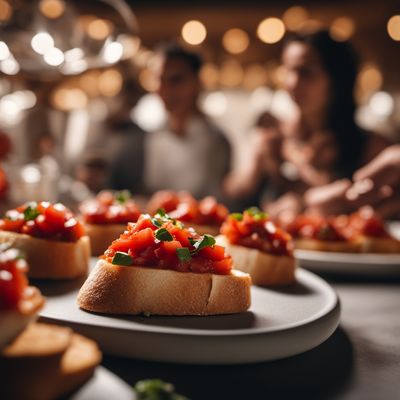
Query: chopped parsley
[121,258]
[31,212]
[163,235]
[183,254]
[122,196]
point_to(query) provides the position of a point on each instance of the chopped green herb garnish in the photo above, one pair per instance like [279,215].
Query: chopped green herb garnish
[256,213]
[192,241]
[122,196]
[161,212]
[237,216]
[163,235]
[156,222]
[121,258]
[31,212]
[156,389]
[183,254]
[205,241]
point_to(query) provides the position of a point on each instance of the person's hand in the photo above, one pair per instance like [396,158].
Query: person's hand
[382,170]
[380,181]
[329,199]
[285,208]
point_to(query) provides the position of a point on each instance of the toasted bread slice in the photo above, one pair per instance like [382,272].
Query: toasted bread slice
[265,269]
[46,362]
[117,289]
[329,246]
[13,322]
[102,235]
[51,259]
[371,244]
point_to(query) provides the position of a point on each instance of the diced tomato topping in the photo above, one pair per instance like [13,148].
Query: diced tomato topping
[167,244]
[184,207]
[13,282]
[110,208]
[43,220]
[256,230]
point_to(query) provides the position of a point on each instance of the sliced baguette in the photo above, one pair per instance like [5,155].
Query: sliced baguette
[386,245]
[265,269]
[13,322]
[51,259]
[329,246]
[46,362]
[102,235]
[114,289]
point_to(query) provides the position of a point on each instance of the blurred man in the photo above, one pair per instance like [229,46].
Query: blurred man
[188,152]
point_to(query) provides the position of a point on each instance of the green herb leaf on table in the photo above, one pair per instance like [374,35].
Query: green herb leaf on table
[156,389]
[121,258]
[163,235]
[183,254]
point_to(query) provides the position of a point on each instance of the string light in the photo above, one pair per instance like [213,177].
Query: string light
[342,29]
[294,17]
[52,9]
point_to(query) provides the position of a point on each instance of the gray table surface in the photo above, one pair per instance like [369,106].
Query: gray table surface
[361,360]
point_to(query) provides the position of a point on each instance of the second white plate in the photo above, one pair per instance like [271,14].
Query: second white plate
[348,263]
[280,323]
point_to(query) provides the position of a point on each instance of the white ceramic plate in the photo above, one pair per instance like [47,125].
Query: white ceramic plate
[379,265]
[104,385]
[280,323]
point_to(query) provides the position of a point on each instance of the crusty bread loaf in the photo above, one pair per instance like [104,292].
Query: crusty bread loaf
[46,362]
[204,229]
[265,269]
[386,245]
[13,322]
[51,259]
[117,289]
[102,235]
[330,246]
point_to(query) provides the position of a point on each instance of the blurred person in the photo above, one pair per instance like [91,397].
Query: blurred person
[188,152]
[376,184]
[321,142]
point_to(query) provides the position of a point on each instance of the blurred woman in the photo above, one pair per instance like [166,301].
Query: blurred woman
[321,142]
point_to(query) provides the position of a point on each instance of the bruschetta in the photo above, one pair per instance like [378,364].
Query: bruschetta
[46,362]
[368,230]
[157,266]
[106,216]
[259,247]
[320,234]
[53,240]
[19,302]
[205,215]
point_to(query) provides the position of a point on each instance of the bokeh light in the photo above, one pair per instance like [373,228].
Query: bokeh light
[235,41]
[52,9]
[342,29]
[194,32]
[5,11]
[294,16]
[271,30]
[393,27]
[110,83]
[99,29]
[231,73]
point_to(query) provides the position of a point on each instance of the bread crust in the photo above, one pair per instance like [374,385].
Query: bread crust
[13,322]
[114,289]
[329,246]
[265,269]
[46,362]
[51,259]
[386,245]
[102,235]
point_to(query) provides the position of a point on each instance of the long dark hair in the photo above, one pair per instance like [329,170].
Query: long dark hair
[340,62]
